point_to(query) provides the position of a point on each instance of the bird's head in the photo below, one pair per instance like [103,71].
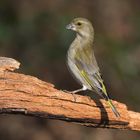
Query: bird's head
[82,27]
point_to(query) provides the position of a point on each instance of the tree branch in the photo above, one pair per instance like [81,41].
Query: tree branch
[23,94]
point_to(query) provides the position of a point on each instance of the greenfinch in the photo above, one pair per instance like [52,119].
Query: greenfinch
[82,62]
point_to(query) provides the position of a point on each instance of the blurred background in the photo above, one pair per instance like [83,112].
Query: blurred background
[34,33]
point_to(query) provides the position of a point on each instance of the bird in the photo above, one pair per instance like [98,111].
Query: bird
[82,62]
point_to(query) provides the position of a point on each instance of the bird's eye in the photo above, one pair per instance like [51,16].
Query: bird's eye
[79,23]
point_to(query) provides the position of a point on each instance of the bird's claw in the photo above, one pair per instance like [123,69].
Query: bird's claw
[71,92]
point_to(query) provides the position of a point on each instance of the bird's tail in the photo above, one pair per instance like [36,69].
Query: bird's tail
[113,108]
[106,97]
[104,94]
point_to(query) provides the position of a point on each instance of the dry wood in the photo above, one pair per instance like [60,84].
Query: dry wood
[23,94]
[8,64]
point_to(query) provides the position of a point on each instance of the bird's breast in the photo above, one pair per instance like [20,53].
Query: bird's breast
[74,49]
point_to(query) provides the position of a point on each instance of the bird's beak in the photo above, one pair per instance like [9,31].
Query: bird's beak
[71,26]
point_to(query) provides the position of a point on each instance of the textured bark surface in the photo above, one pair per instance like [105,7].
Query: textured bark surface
[23,94]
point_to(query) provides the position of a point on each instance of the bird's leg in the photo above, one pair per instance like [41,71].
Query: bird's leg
[78,90]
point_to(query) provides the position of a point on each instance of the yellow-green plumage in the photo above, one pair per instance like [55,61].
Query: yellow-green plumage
[82,62]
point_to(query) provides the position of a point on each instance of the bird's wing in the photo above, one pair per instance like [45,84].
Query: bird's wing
[87,65]
[86,58]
